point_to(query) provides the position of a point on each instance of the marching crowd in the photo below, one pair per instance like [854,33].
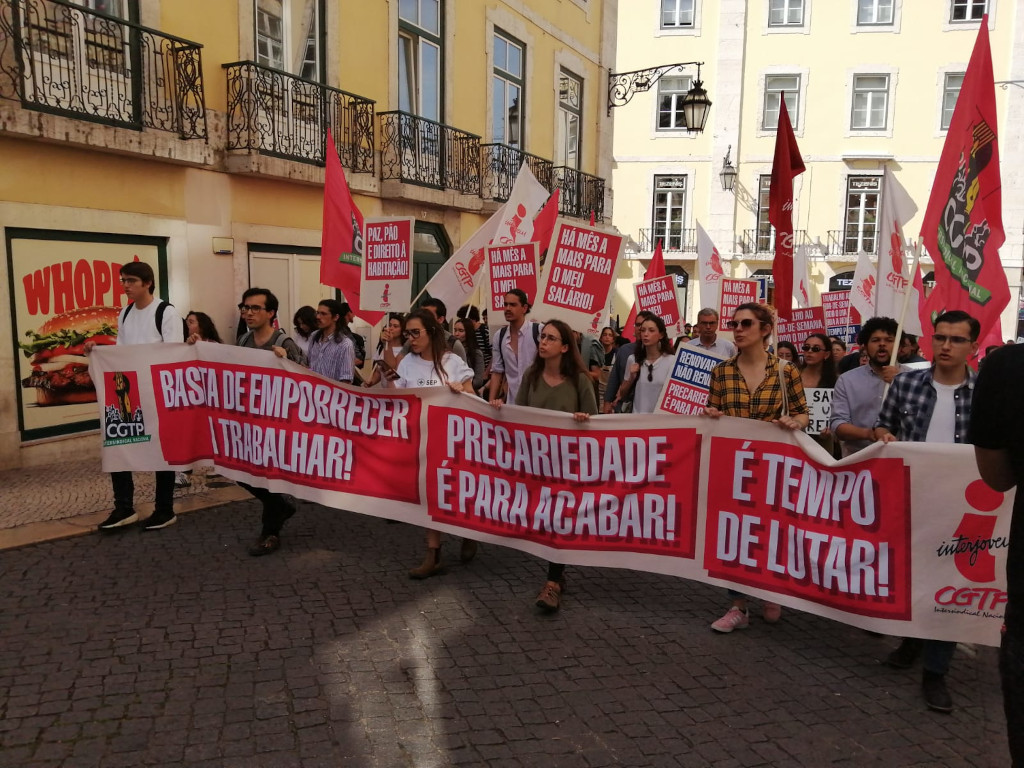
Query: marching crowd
[879,395]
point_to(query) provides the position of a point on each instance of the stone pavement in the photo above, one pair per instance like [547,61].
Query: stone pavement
[174,648]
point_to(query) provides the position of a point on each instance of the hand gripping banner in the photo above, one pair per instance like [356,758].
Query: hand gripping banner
[903,539]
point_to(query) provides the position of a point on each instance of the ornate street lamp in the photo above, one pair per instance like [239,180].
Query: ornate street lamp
[729,173]
[513,123]
[695,105]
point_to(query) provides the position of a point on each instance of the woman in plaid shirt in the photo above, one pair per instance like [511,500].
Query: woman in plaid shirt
[749,386]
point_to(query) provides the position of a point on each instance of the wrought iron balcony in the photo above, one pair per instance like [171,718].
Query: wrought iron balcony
[500,163]
[762,240]
[282,115]
[850,243]
[581,194]
[415,150]
[673,239]
[64,59]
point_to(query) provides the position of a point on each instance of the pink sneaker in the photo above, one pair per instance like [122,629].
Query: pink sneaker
[734,618]
[772,613]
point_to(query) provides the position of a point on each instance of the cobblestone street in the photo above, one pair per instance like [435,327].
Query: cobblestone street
[176,648]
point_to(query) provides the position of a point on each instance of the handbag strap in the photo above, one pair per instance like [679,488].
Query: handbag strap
[783,387]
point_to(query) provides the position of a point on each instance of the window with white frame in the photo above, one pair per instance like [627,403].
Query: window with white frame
[785,13]
[950,93]
[870,102]
[861,228]
[289,36]
[676,14]
[967,10]
[420,57]
[668,212]
[507,80]
[570,116]
[774,88]
[874,12]
[765,233]
[270,34]
[671,91]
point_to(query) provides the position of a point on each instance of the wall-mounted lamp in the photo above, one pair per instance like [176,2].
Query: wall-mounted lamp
[729,173]
[695,104]
[513,123]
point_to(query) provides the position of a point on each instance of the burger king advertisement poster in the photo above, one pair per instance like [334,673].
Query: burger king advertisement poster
[65,292]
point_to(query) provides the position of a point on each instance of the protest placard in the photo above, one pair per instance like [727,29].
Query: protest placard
[511,266]
[801,323]
[659,296]
[685,391]
[819,402]
[734,293]
[578,276]
[841,319]
[386,283]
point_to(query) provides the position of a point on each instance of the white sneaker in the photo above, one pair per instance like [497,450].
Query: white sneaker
[734,618]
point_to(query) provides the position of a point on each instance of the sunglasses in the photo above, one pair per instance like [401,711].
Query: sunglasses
[809,348]
[412,333]
[745,323]
[650,371]
[250,308]
[941,338]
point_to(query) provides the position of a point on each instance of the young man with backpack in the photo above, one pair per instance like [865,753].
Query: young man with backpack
[259,308]
[514,346]
[144,321]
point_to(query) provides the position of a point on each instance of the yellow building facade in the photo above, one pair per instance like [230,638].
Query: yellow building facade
[869,84]
[191,133]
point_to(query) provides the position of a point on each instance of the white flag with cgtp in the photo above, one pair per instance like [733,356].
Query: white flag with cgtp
[709,267]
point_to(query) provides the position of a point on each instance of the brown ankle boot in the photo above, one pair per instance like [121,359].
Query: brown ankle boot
[431,566]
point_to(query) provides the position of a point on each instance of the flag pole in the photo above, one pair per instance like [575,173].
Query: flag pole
[903,310]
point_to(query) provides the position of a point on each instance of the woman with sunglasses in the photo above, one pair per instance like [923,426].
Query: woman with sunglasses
[430,364]
[650,365]
[819,372]
[556,381]
[750,386]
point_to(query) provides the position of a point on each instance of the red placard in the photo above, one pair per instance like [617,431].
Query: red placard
[387,263]
[801,323]
[511,266]
[659,296]
[835,536]
[841,318]
[734,293]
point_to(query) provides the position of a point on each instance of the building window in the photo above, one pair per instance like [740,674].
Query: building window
[507,78]
[289,37]
[669,210]
[420,58]
[765,234]
[870,102]
[967,10]
[570,115]
[950,92]
[774,87]
[269,35]
[671,91]
[785,13]
[862,193]
[872,12]
[676,14]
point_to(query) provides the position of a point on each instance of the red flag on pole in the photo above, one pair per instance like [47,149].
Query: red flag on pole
[963,224]
[341,244]
[544,224]
[787,165]
[655,269]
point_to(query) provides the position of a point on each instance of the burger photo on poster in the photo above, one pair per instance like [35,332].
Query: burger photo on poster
[60,368]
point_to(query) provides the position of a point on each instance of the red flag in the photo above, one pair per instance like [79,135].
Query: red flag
[655,269]
[963,224]
[341,244]
[544,224]
[591,218]
[787,165]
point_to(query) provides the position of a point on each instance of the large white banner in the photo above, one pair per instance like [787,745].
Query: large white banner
[903,539]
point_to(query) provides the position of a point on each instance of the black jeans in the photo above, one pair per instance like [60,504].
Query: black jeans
[275,509]
[1011,672]
[124,491]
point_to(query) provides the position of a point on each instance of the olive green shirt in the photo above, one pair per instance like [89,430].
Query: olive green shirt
[564,397]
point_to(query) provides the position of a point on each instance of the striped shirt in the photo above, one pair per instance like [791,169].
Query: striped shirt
[332,358]
[729,392]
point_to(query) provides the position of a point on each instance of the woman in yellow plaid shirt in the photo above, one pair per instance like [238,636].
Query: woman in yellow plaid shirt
[750,386]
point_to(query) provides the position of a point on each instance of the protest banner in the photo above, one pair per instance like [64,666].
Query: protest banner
[801,323]
[685,391]
[841,319]
[659,296]
[819,401]
[386,278]
[578,275]
[511,266]
[901,538]
[734,293]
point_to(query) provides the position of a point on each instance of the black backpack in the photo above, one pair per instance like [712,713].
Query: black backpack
[163,305]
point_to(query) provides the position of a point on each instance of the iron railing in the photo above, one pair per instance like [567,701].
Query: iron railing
[762,240]
[581,194]
[415,150]
[500,164]
[282,115]
[64,59]
[852,243]
[672,239]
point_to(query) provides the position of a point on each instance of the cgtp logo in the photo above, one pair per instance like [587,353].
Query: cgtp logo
[122,416]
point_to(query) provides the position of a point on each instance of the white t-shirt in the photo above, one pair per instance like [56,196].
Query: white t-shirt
[414,371]
[645,398]
[139,327]
[942,427]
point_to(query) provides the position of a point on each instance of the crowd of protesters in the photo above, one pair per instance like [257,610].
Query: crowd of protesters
[882,391]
